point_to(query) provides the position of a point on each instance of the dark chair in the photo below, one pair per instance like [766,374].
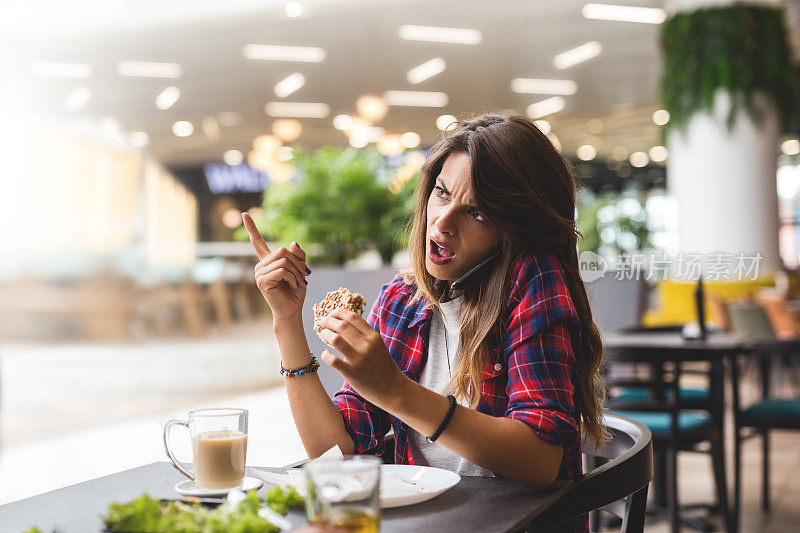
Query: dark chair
[679,422]
[690,397]
[763,415]
[617,303]
[618,485]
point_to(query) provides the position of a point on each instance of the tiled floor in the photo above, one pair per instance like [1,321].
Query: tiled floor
[696,485]
[74,412]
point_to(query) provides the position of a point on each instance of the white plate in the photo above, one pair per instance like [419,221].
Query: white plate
[187,488]
[400,484]
[409,484]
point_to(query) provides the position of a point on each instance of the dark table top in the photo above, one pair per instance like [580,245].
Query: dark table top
[672,345]
[475,504]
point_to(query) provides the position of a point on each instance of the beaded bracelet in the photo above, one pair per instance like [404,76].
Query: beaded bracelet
[313,366]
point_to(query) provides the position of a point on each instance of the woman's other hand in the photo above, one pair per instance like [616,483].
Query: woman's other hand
[280,274]
[367,364]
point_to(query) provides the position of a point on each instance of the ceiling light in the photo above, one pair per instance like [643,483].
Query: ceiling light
[297,109]
[543,125]
[285,153]
[372,107]
[233,157]
[289,84]
[279,172]
[343,122]
[258,160]
[446,122]
[661,117]
[639,159]
[142,69]
[391,145]
[535,86]
[293,9]
[46,69]
[659,154]
[577,55]
[167,98]
[646,15]
[77,98]
[440,35]
[139,139]
[416,98]
[231,218]
[229,119]
[426,70]
[288,129]
[595,125]
[374,133]
[359,139]
[267,144]
[183,128]
[410,139]
[210,128]
[587,152]
[790,147]
[268,52]
[546,107]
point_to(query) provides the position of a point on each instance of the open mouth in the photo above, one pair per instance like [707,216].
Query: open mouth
[438,253]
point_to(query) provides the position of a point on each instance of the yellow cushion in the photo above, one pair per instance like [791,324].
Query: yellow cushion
[674,300]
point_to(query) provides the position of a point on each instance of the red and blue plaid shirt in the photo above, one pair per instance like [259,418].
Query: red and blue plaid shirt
[530,374]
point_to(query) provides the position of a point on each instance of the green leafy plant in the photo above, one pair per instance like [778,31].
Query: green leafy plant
[739,48]
[340,204]
[613,225]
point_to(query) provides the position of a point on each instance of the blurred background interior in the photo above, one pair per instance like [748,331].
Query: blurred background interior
[133,133]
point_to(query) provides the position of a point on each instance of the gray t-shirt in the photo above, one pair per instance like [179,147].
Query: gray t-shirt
[443,340]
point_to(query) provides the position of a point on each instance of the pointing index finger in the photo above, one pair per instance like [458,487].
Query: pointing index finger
[258,242]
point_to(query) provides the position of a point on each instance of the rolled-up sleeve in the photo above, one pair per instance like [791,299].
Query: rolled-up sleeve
[542,370]
[366,423]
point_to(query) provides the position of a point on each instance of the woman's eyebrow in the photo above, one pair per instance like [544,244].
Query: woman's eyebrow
[444,186]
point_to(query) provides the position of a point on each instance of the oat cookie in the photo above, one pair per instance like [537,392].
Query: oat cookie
[339,298]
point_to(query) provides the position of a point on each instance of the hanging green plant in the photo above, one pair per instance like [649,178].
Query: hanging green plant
[740,48]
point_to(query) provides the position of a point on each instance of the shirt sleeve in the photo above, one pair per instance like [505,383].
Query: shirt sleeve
[542,368]
[366,423]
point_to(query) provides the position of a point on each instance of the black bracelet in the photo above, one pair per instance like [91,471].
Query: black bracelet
[446,420]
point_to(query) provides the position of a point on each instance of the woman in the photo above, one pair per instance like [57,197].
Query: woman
[491,313]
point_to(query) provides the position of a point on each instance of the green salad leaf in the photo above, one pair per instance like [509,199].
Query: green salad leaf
[281,500]
[149,515]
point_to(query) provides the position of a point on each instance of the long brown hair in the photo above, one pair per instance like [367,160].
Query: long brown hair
[524,188]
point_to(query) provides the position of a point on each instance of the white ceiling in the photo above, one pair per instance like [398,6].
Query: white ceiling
[364,55]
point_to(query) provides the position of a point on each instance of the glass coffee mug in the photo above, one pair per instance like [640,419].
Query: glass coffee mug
[219,447]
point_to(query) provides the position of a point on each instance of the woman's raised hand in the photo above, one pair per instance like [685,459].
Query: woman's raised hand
[280,274]
[367,364]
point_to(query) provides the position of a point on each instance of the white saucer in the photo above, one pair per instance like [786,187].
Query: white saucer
[187,488]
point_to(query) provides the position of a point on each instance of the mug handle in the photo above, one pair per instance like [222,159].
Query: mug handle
[172,458]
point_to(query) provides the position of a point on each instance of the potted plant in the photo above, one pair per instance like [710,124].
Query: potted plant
[339,204]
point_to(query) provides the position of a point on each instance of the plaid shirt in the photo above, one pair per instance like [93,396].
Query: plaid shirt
[530,374]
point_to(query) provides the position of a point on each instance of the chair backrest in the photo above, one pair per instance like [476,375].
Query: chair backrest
[618,486]
[617,303]
[751,319]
